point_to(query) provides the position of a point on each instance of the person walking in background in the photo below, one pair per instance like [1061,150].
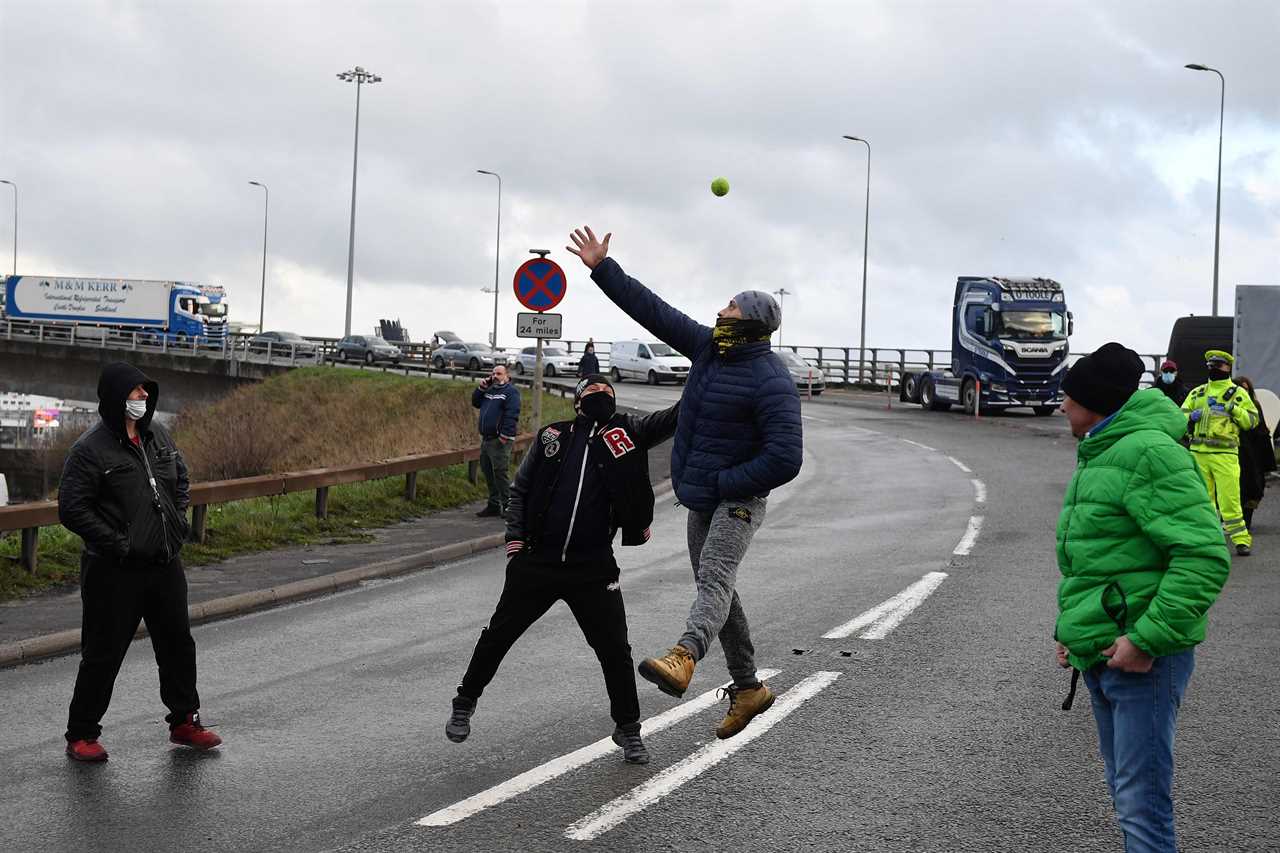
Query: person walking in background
[738,438]
[1167,382]
[1257,458]
[589,364]
[499,404]
[1218,413]
[1142,559]
[124,491]
[581,482]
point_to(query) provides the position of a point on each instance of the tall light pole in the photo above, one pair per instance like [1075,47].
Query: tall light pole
[262,300]
[1217,216]
[497,255]
[866,228]
[358,76]
[15,224]
[781,293]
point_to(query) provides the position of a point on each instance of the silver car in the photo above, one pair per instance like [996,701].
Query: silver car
[556,361]
[467,356]
[805,374]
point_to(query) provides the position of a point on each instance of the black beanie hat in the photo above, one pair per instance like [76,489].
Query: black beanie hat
[589,379]
[1105,379]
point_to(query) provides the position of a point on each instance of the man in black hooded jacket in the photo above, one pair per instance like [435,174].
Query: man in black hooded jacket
[580,483]
[124,491]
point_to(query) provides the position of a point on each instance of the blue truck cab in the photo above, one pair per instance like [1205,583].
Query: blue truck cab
[1008,348]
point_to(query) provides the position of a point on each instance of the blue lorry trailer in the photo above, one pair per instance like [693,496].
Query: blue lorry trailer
[1008,348]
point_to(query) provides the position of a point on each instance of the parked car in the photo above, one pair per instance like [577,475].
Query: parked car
[366,348]
[469,356]
[651,361]
[805,374]
[556,361]
[283,343]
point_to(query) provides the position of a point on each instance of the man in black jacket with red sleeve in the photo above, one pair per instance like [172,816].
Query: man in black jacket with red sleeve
[580,483]
[124,491]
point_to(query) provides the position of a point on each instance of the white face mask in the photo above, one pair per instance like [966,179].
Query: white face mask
[1168,376]
[135,409]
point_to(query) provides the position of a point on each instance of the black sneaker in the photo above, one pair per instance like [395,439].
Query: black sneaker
[459,725]
[633,749]
[1243,550]
[489,512]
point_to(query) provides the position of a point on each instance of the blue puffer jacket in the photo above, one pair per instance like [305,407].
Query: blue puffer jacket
[739,432]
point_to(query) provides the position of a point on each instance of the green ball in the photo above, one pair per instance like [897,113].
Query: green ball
[720,186]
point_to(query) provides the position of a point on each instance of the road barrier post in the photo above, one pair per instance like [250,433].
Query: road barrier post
[199,523]
[888,389]
[810,383]
[322,502]
[30,541]
[411,486]
[473,471]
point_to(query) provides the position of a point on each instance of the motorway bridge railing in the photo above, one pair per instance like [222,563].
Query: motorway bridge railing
[29,518]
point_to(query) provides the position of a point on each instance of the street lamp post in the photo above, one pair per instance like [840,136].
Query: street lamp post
[262,300]
[781,293]
[866,228]
[15,224]
[1217,216]
[359,76]
[497,255]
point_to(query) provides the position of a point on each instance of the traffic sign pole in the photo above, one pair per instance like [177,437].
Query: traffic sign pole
[537,386]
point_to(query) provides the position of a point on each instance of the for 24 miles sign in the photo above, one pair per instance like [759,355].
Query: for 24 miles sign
[530,325]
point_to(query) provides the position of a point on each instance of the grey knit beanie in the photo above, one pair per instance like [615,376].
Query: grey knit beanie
[758,305]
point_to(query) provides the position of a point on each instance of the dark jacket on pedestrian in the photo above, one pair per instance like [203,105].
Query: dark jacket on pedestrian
[126,501]
[589,364]
[1175,390]
[1257,458]
[580,483]
[499,407]
[739,433]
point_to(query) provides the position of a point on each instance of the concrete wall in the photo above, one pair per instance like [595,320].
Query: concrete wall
[71,372]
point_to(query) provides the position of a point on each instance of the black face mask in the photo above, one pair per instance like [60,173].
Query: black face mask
[1219,373]
[599,406]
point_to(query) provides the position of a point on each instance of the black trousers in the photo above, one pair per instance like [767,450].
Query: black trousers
[116,598]
[594,598]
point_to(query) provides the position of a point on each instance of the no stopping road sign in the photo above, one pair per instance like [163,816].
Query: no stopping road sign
[540,284]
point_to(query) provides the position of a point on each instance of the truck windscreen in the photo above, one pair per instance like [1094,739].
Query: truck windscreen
[212,310]
[1031,324]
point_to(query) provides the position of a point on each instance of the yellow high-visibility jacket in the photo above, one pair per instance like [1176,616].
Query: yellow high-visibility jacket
[1225,411]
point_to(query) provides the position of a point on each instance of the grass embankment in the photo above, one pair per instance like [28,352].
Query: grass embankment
[312,418]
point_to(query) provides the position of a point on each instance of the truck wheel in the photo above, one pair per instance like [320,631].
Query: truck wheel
[969,397]
[907,390]
[1045,411]
[617,376]
[929,397]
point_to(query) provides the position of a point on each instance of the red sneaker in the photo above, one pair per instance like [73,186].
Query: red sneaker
[191,733]
[86,750]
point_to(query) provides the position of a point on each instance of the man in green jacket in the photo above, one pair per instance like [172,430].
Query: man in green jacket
[1142,558]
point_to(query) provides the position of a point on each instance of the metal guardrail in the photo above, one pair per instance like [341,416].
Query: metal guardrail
[29,518]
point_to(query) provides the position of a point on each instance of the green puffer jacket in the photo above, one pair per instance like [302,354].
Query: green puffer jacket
[1140,547]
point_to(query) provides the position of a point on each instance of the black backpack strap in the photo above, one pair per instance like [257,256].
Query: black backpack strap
[1071,694]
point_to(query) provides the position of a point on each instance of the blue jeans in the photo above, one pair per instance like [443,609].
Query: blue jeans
[1136,715]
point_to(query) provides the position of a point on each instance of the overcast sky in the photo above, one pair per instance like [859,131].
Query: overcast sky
[1051,139]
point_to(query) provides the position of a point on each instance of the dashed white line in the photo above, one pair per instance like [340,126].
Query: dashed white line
[886,615]
[963,467]
[557,767]
[970,537]
[979,491]
[642,796]
[919,445]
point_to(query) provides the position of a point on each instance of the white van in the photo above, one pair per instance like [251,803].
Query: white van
[651,361]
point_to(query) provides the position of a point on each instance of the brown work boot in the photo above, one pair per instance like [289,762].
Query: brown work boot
[744,704]
[672,672]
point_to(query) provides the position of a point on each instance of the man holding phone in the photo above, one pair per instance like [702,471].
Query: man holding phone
[499,404]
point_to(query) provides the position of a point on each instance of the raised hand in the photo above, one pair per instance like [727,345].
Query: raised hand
[591,250]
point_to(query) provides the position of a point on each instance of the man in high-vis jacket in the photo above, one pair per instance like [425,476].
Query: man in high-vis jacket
[1219,411]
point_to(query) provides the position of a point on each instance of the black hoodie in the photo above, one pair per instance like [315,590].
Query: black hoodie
[127,502]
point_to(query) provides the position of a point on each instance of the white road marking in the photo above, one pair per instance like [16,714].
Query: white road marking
[557,767]
[979,491]
[890,612]
[970,537]
[812,418]
[963,467]
[660,785]
[919,445]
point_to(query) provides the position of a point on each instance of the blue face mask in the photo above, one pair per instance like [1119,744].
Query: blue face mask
[1168,376]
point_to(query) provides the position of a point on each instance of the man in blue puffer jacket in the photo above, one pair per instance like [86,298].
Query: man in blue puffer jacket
[738,437]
